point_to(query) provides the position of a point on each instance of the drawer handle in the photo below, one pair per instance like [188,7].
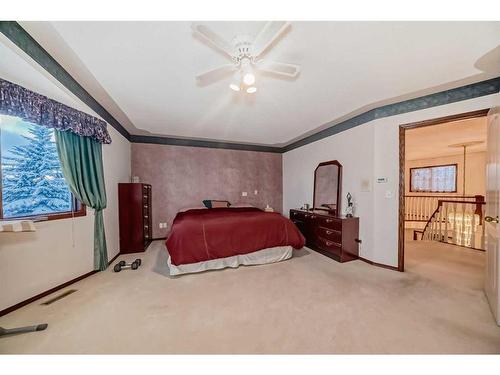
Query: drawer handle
[328,232]
[329,220]
[328,243]
[312,216]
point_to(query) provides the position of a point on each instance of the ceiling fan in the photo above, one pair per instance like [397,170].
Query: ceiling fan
[245,52]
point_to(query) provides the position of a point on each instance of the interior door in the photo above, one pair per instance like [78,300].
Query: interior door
[492,227]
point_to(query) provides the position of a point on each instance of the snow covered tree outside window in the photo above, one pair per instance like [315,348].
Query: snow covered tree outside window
[32,181]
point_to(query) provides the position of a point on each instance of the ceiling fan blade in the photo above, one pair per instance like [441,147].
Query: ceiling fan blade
[269,33]
[215,74]
[279,68]
[214,39]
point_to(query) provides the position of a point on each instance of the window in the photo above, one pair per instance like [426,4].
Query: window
[434,179]
[31,180]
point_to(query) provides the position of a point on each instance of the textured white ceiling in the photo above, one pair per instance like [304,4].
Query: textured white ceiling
[434,141]
[143,72]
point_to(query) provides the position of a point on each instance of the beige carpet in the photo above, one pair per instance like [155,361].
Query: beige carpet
[309,304]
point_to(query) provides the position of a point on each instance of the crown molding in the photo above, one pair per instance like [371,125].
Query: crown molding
[20,37]
[201,143]
[32,48]
[471,91]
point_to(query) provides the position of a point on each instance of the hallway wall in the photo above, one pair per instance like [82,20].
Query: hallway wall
[475,176]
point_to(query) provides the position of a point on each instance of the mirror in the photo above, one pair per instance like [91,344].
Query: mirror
[327,186]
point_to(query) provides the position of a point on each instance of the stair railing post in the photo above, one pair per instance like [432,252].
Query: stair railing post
[445,207]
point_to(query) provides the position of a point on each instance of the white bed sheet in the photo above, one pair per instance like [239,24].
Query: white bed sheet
[264,256]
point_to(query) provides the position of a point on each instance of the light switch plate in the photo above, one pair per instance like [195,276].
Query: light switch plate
[244,193]
[256,192]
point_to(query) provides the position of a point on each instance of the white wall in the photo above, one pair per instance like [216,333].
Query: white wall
[366,152]
[475,173]
[61,250]
[354,150]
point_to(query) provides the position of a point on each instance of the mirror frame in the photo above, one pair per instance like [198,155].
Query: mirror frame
[339,187]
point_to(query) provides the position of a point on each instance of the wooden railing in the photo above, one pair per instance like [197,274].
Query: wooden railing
[421,207]
[456,222]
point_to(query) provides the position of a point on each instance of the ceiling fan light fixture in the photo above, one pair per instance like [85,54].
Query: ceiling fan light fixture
[234,87]
[245,54]
[249,79]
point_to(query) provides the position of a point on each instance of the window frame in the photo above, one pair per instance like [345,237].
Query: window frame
[412,190]
[78,209]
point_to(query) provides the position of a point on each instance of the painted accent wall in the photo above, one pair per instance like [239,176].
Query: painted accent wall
[475,174]
[61,250]
[184,176]
[366,152]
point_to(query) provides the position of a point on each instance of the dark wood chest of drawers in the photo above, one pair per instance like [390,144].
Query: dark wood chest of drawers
[134,211]
[333,236]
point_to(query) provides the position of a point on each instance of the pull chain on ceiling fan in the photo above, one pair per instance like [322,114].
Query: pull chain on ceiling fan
[244,54]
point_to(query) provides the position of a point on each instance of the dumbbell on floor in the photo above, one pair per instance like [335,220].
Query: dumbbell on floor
[122,265]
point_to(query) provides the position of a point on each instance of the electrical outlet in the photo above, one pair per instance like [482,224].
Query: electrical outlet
[160,225]
[256,192]
[244,193]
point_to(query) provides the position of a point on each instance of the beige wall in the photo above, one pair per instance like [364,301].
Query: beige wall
[475,177]
[61,250]
[366,152]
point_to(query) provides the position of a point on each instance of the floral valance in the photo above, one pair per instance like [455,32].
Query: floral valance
[38,109]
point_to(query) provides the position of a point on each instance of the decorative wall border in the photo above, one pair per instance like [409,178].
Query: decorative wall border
[32,48]
[20,37]
[200,143]
[471,91]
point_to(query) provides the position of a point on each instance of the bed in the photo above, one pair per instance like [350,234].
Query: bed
[206,239]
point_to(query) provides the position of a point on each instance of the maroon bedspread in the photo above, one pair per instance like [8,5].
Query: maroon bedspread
[200,235]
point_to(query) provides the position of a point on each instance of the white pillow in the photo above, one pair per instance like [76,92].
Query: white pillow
[192,208]
[241,205]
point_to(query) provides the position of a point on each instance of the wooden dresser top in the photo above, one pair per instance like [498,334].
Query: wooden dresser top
[322,213]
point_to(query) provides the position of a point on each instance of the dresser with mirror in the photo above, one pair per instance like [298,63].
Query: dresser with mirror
[326,230]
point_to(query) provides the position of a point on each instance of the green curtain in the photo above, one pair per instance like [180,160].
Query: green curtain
[81,162]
